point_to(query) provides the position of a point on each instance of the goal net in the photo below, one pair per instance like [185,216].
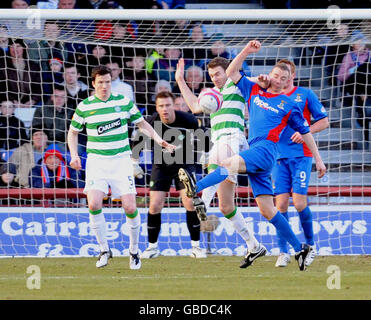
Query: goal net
[45,65]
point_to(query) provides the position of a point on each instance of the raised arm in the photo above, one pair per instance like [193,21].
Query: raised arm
[190,99]
[233,70]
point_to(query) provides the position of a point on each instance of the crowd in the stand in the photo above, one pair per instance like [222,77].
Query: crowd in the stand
[51,77]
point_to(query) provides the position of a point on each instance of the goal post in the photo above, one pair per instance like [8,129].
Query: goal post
[316,40]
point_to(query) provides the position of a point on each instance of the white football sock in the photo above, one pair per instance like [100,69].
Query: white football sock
[134,229]
[98,225]
[240,225]
[208,194]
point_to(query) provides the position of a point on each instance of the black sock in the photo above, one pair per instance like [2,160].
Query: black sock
[153,226]
[193,224]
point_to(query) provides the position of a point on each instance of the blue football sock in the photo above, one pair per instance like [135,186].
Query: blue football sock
[215,177]
[282,243]
[307,225]
[283,227]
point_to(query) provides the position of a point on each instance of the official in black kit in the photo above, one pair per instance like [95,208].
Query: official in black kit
[178,127]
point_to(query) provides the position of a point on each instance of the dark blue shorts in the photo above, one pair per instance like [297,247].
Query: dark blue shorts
[292,174]
[259,162]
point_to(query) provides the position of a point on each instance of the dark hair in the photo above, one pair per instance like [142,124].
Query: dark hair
[100,71]
[165,94]
[68,65]
[218,62]
[59,87]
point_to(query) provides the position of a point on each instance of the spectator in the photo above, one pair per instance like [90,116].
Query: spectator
[171,4]
[12,130]
[55,117]
[155,55]
[76,89]
[20,77]
[123,32]
[7,176]
[47,4]
[196,55]
[44,50]
[142,83]
[98,55]
[164,68]
[100,4]
[180,104]
[4,41]
[219,49]
[67,4]
[176,32]
[353,60]
[54,75]
[119,86]
[161,86]
[27,155]
[336,51]
[20,4]
[53,172]
[194,77]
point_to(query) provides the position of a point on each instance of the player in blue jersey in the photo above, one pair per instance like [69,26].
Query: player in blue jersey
[269,113]
[294,165]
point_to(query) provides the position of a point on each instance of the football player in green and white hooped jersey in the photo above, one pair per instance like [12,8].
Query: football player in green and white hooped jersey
[227,135]
[105,116]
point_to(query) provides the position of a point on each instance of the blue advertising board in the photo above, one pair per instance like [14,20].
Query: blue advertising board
[65,232]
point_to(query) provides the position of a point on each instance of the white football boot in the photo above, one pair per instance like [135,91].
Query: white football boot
[198,253]
[103,258]
[134,261]
[150,252]
[311,255]
[283,260]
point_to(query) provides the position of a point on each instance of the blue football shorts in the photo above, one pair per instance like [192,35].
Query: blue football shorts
[292,174]
[259,162]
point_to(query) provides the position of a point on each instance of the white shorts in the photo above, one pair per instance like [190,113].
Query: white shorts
[225,147]
[115,172]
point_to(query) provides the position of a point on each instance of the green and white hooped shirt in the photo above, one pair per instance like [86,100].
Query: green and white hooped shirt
[230,118]
[106,123]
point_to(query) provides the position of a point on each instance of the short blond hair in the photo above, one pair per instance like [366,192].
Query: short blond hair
[290,63]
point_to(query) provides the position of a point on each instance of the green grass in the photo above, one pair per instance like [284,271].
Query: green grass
[178,278]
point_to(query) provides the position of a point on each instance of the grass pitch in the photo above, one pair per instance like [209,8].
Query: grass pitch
[183,278]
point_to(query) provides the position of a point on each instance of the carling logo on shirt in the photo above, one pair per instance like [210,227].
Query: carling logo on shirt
[109,126]
[264,105]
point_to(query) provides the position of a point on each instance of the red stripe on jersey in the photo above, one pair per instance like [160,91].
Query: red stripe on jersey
[254,92]
[306,115]
[274,134]
[291,92]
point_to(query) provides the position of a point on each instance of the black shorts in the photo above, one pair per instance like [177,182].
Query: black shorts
[162,177]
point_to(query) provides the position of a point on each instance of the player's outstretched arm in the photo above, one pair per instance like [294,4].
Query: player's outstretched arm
[148,130]
[309,140]
[233,70]
[190,99]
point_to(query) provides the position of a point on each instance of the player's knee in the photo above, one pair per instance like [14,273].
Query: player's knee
[226,209]
[155,208]
[300,205]
[282,207]
[129,207]
[95,205]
